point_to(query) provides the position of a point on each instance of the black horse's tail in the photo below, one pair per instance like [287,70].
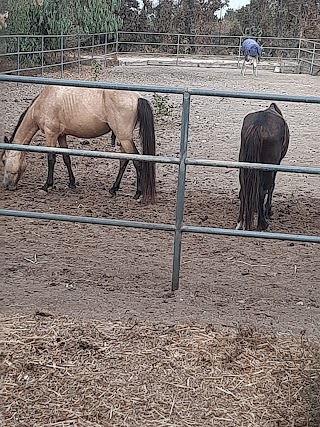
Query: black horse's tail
[148,171]
[250,151]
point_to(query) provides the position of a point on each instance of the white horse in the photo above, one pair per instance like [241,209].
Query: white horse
[252,52]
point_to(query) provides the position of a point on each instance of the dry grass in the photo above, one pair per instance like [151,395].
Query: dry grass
[62,372]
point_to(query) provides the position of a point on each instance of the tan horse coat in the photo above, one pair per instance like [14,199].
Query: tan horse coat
[59,111]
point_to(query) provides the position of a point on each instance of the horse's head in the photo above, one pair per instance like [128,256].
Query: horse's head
[14,166]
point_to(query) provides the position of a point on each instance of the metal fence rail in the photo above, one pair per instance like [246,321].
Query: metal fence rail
[183,161]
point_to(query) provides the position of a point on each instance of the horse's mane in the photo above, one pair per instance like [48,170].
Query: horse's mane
[20,121]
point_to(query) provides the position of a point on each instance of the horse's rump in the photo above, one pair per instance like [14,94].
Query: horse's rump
[264,139]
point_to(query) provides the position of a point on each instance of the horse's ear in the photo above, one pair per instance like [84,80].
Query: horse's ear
[275,107]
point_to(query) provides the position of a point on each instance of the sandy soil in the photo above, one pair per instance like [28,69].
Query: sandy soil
[118,274]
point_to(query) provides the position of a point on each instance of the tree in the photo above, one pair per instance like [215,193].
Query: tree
[277,18]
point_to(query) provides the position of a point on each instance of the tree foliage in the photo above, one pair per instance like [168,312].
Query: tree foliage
[63,16]
[277,18]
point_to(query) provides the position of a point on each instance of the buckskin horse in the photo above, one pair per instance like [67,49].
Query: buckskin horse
[252,52]
[86,113]
[264,139]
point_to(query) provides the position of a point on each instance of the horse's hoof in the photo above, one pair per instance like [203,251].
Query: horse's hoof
[72,186]
[137,196]
[112,194]
[263,226]
[270,213]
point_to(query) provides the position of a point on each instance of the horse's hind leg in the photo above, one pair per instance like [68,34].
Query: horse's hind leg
[123,166]
[262,221]
[138,167]
[67,161]
[243,68]
[241,211]
[254,65]
[127,146]
[269,198]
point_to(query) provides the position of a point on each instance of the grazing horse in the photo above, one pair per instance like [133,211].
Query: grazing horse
[264,139]
[252,52]
[86,113]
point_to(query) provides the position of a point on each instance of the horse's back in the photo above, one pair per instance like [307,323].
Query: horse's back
[250,46]
[86,112]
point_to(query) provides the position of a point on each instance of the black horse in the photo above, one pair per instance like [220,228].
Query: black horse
[264,139]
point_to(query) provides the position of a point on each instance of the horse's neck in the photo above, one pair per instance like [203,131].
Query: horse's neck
[27,129]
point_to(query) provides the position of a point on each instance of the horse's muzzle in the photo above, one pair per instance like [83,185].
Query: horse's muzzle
[9,184]
[10,187]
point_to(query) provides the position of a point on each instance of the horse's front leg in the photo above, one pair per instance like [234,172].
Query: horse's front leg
[243,68]
[51,162]
[67,161]
[51,141]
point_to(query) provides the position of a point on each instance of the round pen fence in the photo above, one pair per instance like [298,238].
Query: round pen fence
[178,228]
[40,54]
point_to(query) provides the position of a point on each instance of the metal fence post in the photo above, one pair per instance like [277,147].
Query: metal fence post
[92,41]
[117,41]
[42,58]
[299,55]
[178,49]
[239,51]
[18,55]
[79,54]
[313,57]
[181,191]
[299,50]
[61,46]
[105,49]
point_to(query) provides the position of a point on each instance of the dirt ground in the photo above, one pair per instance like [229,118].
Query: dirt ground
[106,273]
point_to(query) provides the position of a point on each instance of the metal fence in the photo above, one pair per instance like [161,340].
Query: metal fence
[183,161]
[40,54]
